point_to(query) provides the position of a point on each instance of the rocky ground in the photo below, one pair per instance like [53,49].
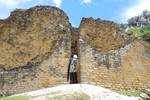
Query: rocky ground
[82,91]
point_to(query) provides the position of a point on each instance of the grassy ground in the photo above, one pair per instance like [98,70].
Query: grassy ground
[135,93]
[15,98]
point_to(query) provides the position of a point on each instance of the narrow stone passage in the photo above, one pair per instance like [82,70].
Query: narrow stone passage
[73,67]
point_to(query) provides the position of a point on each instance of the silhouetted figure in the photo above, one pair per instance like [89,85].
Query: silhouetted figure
[72,69]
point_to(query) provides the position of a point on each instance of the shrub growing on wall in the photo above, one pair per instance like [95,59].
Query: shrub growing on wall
[143,31]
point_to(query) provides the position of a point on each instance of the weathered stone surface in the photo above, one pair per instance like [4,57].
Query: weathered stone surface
[111,59]
[36,45]
[124,68]
[103,35]
[144,96]
[35,48]
[29,35]
[74,39]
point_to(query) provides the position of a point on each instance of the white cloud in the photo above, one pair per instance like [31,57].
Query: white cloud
[6,6]
[136,9]
[12,3]
[57,3]
[86,1]
[9,3]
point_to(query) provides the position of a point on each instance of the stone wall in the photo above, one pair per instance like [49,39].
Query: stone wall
[123,67]
[101,34]
[36,45]
[35,50]
[50,72]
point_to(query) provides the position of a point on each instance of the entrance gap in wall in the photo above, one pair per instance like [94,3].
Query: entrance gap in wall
[73,75]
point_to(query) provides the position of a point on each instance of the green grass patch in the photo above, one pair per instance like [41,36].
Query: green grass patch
[135,93]
[15,98]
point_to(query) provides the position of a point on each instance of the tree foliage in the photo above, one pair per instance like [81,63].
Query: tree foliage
[139,26]
[140,20]
[143,31]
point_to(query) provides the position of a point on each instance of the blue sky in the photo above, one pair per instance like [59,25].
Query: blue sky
[113,10]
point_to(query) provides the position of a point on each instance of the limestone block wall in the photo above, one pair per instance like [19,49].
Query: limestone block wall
[36,45]
[125,68]
[111,59]
[35,50]
[50,72]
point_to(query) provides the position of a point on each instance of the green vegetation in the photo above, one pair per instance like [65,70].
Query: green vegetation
[143,31]
[139,26]
[135,93]
[15,98]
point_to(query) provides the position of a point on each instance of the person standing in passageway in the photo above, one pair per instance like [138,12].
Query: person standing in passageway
[73,69]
